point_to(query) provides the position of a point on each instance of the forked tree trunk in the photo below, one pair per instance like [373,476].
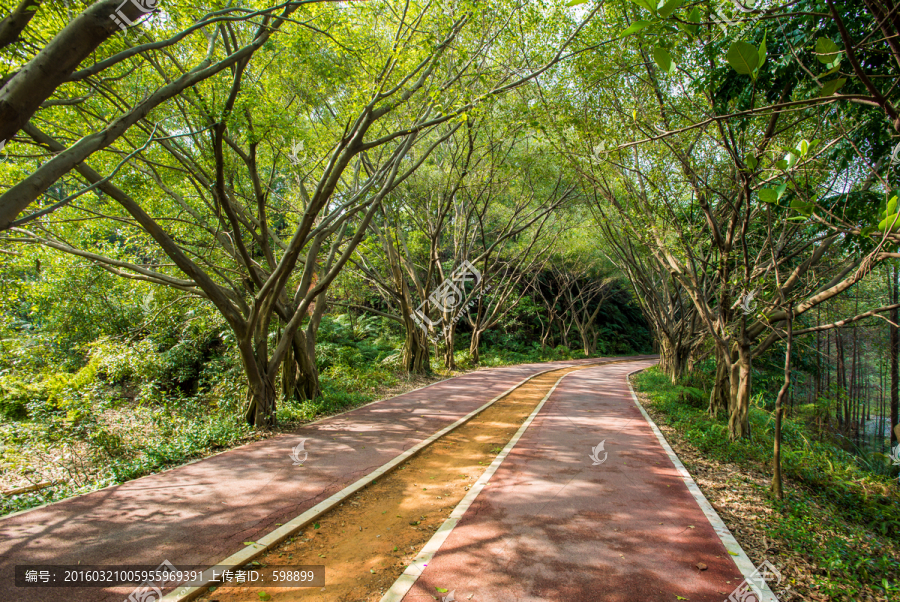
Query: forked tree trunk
[306,384]
[739,418]
[673,357]
[474,346]
[299,372]
[261,394]
[415,353]
[546,337]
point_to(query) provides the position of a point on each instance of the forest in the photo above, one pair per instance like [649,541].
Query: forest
[223,219]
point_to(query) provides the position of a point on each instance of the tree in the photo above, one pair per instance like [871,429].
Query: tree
[227,217]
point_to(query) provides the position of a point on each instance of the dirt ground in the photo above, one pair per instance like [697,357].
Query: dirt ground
[369,540]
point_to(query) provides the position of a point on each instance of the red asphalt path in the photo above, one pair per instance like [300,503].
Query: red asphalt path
[201,513]
[552,526]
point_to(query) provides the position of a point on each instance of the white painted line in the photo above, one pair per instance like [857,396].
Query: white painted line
[409,577]
[275,537]
[737,553]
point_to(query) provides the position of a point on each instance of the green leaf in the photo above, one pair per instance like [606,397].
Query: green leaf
[575,2]
[833,86]
[762,54]
[804,148]
[648,4]
[743,57]
[264,596]
[780,189]
[826,51]
[892,221]
[668,8]
[663,59]
[867,230]
[751,161]
[891,206]
[782,165]
[443,590]
[635,27]
[801,207]
[693,18]
[767,195]
[791,158]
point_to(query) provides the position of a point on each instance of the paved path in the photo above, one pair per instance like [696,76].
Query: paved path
[552,526]
[201,513]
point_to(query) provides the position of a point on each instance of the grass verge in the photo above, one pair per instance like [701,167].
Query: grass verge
[836,534]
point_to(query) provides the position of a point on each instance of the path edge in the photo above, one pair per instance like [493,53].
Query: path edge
[737,553]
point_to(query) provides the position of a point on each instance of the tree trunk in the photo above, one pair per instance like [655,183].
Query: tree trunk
[415,353]
[739,419]
[306,384]
[260,411]
[779,408]
[721,392]
[673,357]
[289,375]
[843,399]
[474,347]
[449,359]
[895,351]
[585,340]
[546,337]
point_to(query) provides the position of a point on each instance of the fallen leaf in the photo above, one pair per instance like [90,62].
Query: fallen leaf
[701,566]
[264,596]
